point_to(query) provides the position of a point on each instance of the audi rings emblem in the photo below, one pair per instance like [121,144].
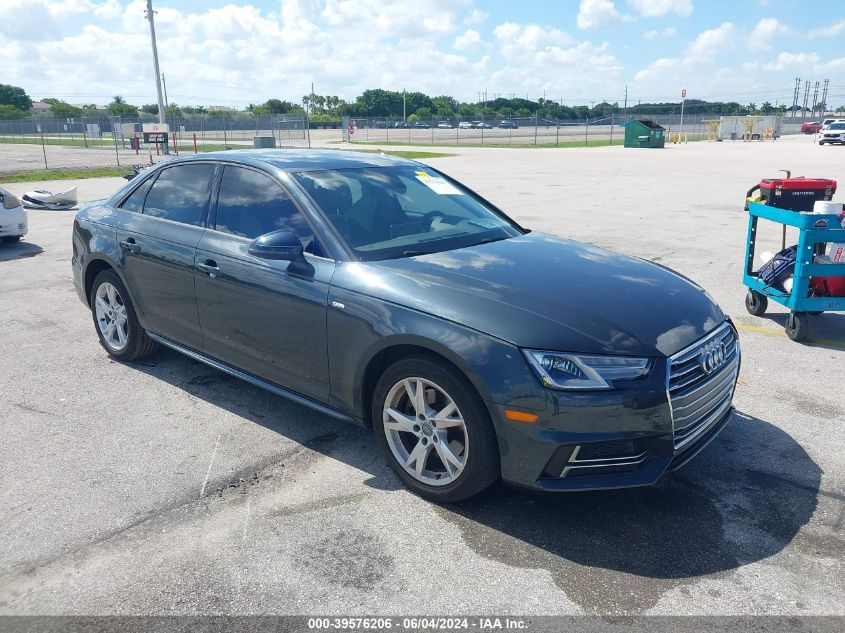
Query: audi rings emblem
[713,357]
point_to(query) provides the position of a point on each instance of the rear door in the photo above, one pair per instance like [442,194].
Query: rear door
[265,317]
[159,246]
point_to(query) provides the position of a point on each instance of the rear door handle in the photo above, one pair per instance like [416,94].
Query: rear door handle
[130,246]
[209,267]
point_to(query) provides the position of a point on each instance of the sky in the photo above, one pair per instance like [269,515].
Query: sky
[214,52]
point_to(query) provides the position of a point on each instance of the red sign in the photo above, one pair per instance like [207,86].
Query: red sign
[351,128]
[683,93]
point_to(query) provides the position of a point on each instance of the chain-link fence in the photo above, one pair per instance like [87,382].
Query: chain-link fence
[63,143]
[51,143]
[521,131]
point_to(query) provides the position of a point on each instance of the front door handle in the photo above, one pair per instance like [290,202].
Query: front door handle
[130,246]
[209,267]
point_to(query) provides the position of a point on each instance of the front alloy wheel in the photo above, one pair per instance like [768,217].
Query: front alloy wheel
[434,429]
[425,431]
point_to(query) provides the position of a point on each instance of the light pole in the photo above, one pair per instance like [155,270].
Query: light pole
[683,99]
[404,118]
[151,18]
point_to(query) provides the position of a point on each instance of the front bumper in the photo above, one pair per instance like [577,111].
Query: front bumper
[624,438]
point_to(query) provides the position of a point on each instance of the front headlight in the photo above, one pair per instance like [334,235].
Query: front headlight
[558,370]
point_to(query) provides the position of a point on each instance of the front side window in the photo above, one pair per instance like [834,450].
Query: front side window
[181,194]
[390,212]
[252,204]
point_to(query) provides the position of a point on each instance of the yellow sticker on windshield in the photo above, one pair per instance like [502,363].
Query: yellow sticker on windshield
[422,174]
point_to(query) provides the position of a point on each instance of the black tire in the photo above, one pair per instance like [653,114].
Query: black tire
[756,303]
[798,326]
[821,142]
[138,344]
[11,239]
[482,462]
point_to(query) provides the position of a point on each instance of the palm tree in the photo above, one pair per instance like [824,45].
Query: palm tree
[118,99]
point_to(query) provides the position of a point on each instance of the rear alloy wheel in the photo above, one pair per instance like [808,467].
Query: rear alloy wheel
[434,430]
[117,325]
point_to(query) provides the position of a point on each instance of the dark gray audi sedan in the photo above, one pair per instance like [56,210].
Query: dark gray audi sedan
[382,292]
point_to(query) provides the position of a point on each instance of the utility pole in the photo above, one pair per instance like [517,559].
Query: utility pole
[625,109]
[795,96]
[404,118]
[151,18]
[164,84]
[806,97]
[824,97]
[683,101]
[816,98]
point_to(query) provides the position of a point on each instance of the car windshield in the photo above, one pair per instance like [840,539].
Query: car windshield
[836,126]
[390,212]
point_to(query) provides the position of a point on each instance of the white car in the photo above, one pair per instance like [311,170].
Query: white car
[833,133]
[464,125]
[13,219]
[828,122]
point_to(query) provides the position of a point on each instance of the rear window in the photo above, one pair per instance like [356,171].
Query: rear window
[181,194]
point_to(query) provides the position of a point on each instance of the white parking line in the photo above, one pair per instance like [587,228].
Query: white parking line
[208,472]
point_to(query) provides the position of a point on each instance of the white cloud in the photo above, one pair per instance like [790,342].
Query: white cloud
[763,34]
[597,14]
[659,8]
[475,17]
[797,61]
[701,52]
[653,34]
[708,44]
[468,39]
[834,30]
[522,40]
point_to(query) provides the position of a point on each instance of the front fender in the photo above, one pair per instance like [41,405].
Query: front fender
[366,326]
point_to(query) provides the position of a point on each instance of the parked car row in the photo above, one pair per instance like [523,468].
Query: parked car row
[505,124]
[814,127]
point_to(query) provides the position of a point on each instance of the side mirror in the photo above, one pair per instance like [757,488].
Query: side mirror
[282,245]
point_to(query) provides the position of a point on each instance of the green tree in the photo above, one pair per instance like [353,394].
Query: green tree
[150,108]
[10,112]
[423,113]
[62,110]
[15,97]
[119,107]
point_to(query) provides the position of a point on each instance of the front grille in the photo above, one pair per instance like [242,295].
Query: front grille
[700,399]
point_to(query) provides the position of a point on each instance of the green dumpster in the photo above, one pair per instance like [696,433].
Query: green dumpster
[264,142]
[644,133]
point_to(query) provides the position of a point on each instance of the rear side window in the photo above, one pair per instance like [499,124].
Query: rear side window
[181,194]
[251,204]
[136,200]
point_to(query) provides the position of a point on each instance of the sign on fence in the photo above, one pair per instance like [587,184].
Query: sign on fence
[156,133]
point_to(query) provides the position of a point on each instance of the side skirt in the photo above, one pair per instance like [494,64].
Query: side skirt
[254,380]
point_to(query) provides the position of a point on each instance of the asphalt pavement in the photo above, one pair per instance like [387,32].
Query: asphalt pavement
[166,487]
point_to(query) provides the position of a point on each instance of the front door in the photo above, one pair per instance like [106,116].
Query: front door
[265,317]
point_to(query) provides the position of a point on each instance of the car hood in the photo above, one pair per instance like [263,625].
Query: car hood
[544,292]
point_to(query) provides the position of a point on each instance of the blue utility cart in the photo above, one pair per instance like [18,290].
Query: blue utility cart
[813,229]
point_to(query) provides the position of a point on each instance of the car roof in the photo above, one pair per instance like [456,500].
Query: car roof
[299,160]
